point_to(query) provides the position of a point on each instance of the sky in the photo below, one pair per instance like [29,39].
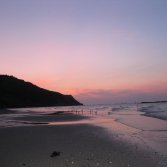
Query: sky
[100,51]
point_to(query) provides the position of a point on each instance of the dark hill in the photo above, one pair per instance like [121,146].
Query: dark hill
[18,93]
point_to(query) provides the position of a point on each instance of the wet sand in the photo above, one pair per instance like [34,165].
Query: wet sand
[80,145]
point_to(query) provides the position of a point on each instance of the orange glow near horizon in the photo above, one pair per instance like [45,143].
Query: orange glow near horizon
[74,89]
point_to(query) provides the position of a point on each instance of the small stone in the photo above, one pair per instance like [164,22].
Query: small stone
[97,164]
[55,154]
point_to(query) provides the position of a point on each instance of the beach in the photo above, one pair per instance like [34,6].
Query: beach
[83,83]
[72,139]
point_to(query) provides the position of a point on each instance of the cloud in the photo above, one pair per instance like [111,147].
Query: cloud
[100,96]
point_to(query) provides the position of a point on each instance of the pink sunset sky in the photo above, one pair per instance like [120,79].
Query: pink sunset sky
[98,51]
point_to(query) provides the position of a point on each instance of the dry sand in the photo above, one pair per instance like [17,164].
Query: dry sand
[76,145]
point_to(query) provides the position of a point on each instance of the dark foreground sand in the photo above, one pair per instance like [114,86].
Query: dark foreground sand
[80,145]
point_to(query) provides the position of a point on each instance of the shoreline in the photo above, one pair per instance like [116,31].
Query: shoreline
[81,141]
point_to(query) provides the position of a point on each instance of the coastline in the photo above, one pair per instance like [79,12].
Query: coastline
[85,142]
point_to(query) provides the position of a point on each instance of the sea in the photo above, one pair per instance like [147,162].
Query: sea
[156,110]
[120,111]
